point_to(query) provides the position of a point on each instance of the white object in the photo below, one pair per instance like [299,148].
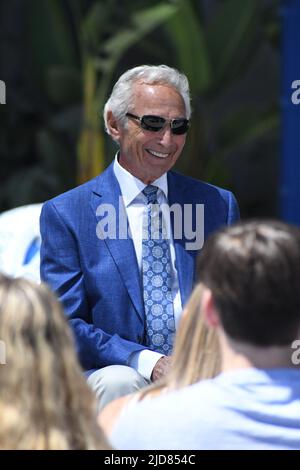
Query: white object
[19,227]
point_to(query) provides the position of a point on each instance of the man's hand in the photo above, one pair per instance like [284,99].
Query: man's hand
[161,368]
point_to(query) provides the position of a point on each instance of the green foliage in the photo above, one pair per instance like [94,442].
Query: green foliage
[216,55]
[230,36]
[140,24]
[51,37]
[77,48]
[188,37]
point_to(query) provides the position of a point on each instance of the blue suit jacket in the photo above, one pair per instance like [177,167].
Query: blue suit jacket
[98,281]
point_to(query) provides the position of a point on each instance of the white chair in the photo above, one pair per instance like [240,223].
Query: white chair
[20,242]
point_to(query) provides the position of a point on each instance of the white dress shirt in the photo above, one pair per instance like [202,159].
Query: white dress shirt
[135,203]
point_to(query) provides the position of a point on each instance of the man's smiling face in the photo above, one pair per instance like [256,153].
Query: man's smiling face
[146,154]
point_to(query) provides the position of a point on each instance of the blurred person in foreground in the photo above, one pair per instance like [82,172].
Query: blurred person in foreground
[45,402]
[196,357]
[120,250]
[250,275]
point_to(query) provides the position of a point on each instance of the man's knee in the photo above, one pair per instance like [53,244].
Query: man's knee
[113,382]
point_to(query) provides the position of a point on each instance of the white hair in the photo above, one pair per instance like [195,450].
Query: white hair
[121,97]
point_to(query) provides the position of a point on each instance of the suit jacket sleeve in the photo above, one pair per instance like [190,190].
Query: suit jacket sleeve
[61,270]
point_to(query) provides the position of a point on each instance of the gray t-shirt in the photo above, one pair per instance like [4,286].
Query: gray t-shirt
[240,409]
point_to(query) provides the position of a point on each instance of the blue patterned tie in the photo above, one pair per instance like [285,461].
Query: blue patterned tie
[157,278]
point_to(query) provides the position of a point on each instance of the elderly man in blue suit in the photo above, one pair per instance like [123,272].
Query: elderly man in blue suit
[120,250]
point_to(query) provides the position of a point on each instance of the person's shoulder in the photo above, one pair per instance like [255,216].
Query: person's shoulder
[173,398]
[196,186]
[77,195]
[193,404]
[112,412]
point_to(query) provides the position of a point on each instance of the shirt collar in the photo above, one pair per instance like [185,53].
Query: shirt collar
[131,186]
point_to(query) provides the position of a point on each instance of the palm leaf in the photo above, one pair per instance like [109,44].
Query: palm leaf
[230,33]
[187,35]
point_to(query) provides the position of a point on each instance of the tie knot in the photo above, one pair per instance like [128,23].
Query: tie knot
[151,194]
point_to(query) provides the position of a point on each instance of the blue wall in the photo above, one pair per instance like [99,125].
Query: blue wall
[290,161]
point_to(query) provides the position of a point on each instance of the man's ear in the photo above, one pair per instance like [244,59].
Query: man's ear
[113,126]
[208,309]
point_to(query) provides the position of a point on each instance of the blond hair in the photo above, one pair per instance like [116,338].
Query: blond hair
[45,402]
[196,351]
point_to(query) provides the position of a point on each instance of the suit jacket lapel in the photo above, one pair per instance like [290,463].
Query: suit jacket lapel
[185,260]
[107,191]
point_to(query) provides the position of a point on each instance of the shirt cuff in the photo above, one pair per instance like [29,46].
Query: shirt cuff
[144,361]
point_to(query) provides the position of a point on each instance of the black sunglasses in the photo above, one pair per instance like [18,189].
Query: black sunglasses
[156,123]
